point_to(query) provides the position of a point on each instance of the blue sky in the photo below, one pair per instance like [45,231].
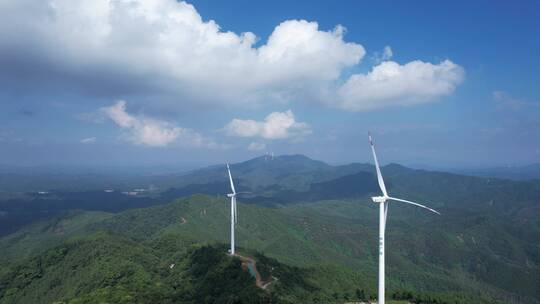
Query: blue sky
[125,83]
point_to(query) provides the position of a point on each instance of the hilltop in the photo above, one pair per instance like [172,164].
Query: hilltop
[112,268]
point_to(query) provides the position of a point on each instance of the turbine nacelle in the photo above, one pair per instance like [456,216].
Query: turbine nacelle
[231,195]
[379,199]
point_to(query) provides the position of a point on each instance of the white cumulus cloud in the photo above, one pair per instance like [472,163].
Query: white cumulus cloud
[277,125]
[124,46]
[393,84]
[165,48]
[153,132]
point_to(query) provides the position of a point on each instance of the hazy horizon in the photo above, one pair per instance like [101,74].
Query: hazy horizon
[178,167]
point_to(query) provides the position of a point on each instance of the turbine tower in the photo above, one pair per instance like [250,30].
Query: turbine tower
[233,209]
[383,211]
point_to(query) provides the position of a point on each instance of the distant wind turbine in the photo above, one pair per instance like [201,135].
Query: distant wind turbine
[234,215]
[383,210]
[233,209]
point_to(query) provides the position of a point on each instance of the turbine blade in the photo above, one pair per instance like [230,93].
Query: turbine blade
[230,178]
[413,203]
[379,175]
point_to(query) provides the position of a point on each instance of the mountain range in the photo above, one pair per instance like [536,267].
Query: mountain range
[306,217]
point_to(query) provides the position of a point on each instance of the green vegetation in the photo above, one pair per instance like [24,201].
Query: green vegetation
[109,268]
[48,233]
[320,252]
[316,244]
[115,269]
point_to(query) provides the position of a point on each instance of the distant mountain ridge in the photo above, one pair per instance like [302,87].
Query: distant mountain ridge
[290,179]
[288,171]
[508,172]
[285,179]
[258,172]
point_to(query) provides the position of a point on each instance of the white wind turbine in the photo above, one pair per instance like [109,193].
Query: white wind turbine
[383,210]
[233,209]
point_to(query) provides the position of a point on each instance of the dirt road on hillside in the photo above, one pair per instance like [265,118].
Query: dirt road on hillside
[258,279]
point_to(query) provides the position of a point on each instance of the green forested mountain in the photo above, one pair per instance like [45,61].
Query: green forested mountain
[308,218]
[106,268]
[333,241]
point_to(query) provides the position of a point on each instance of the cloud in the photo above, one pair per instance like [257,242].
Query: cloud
[505,101]
[277,125]
[153,132]
[386,55]
[393,84]
[164,48]
[89,140]
[256,146]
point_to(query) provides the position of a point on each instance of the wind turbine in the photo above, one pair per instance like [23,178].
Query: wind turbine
[234,218]
[383,211]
